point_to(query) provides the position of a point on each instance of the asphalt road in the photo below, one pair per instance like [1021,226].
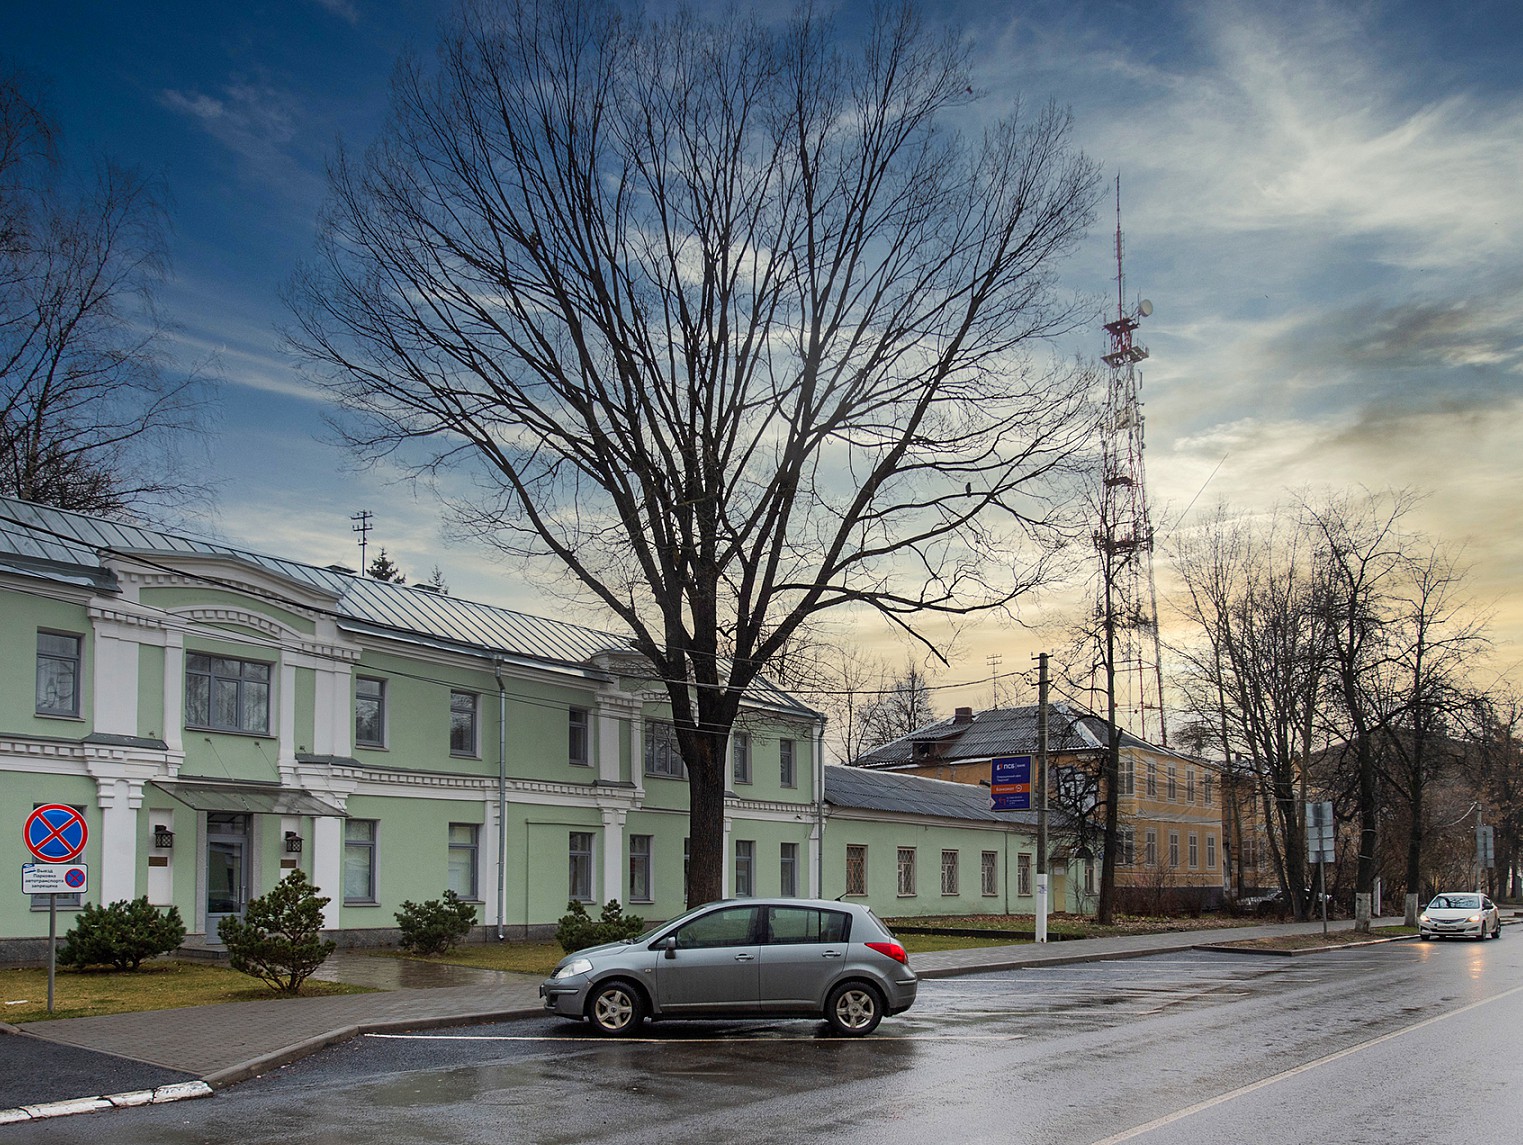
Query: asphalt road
[1367,1045]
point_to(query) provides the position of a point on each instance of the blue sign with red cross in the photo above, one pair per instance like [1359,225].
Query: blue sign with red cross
[55,833]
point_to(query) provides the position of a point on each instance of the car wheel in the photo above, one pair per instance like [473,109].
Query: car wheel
[616,1008]
[854,1009]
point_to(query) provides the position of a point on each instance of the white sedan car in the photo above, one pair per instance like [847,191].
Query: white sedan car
[1460,914]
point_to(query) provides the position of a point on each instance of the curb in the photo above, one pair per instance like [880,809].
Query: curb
[264,1063]
[175,1091]
[1004,964]
[1227,949]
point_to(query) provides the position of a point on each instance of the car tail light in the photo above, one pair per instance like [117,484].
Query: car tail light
[892,949]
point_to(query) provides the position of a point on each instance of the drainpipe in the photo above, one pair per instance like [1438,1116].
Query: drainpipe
[502,801]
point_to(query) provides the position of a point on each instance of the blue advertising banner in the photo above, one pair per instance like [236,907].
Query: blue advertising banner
[1010,783]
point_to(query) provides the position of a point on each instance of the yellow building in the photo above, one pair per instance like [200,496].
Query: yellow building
[1171,855]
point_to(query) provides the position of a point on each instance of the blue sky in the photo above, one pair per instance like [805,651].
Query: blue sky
[1324,202]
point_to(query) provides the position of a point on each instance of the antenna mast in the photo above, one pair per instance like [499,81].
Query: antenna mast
[363,529]
[1125,536]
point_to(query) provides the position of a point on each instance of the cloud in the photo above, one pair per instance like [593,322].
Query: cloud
[340,8]
[259,124]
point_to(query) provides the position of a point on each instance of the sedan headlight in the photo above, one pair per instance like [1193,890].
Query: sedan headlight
[1424,919]
[1474,918]
[572,968]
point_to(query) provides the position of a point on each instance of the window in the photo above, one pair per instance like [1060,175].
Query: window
[1152,780]
[1089,878]
[462,723]
[1128,848]
[576,737]
[639,868]
[745,868]
[1174,848]
[1248,845]
[730,926]
[1173,783]
[687,852]
[1127,777]
[1023,875]
[988,872]
[856,869]
[788,773]
[463,852]
[359,860]
[1189,785]
[740,757]
[949,872]
[788,871]
[58,667]
[369,712]
[661,754]
[1211,852]
[795,925]
[1194,852]
[1150,848]
[227,695]
[580,867]
[906,871]
[1205,788]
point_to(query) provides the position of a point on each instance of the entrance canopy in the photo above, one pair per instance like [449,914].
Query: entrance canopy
[247,798]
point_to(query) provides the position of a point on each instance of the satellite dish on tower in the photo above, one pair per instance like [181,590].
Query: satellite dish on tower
[1145,308]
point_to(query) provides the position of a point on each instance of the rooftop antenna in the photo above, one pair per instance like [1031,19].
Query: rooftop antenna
[363,529]
[1125,534]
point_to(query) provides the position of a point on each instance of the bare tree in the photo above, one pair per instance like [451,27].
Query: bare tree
[1254,599]
[727,322]
[90,417]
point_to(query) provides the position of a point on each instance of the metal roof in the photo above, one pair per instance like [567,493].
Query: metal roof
[866,790]
[997,732]
[37,540]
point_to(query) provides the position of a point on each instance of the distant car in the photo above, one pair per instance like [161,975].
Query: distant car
[1459,914]
[742,958]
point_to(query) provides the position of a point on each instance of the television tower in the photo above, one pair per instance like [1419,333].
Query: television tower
[1124,539]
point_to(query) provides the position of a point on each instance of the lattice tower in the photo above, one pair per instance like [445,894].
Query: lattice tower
[1124,538]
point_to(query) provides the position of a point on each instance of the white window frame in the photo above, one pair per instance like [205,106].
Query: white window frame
[745,869]
[241,684]
[1023,884]
[379,699]
[788,870]
[740,757]
[988,873]
[856,870]
[641,852]
[463,703]
[787,763]
[906,870]
[465,857]
[580,846]
[662,756]
[579,737]
[367,850]
[949,872]
[74,666]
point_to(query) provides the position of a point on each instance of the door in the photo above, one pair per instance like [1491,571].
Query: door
[227,888]
[804,952]
[715,967]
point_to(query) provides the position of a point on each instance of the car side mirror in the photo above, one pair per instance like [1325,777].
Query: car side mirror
[670,946]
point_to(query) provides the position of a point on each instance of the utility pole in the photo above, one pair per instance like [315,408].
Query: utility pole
[1041,807]
[363,529]
[994,659]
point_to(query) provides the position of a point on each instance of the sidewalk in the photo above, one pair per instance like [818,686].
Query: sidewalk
[196,1050]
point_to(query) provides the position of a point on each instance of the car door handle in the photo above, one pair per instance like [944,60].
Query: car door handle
[745,958]
[830,954]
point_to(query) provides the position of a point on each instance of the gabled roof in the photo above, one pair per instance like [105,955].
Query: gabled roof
[977,736]
[865,790]
[58,545]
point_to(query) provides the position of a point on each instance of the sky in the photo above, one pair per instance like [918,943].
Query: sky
[1323,201]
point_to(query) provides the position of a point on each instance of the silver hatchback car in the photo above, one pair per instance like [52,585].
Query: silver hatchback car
[742,958]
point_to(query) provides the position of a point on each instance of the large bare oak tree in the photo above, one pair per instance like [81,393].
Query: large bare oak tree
[727,319]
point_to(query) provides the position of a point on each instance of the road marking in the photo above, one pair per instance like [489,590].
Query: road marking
[603,1040]
[1264,1083]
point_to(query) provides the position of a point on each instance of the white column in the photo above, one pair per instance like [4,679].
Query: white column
[174,690]
[115,688]
[724,860]
[285,745]
[613,854]
[118,799]
[328,864]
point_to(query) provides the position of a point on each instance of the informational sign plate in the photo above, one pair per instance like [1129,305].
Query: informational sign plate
[54,878]
[55,833]
[1010,783]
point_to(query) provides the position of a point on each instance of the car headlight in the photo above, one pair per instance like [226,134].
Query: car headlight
[1423,918]
[1474,918]
[572,968]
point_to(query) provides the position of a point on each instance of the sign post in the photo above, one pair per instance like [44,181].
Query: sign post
[1319,847]
[55,834]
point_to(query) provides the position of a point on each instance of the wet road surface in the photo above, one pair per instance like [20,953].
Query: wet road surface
[1347,1046]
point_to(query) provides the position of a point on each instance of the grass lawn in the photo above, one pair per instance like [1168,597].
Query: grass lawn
[157,985]
[1070,926]
[1320,941]
[538,958]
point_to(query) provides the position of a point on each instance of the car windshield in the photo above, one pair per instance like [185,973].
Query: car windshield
[1455,902]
